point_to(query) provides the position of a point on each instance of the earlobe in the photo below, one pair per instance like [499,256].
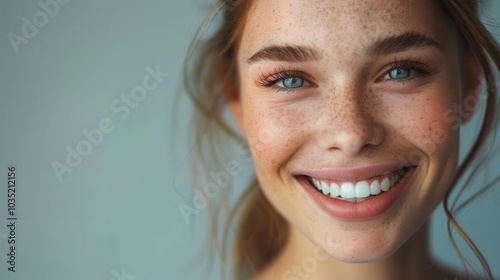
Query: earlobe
[471,86]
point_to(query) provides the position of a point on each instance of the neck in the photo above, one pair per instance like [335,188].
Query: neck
[299,261]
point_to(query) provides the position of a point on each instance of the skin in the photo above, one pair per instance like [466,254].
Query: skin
[349,114]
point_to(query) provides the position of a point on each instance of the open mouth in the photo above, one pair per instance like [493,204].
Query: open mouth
[358,191]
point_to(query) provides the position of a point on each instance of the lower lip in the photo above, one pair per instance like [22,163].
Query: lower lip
[369,208]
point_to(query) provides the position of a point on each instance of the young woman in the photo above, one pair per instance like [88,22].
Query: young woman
[352,112]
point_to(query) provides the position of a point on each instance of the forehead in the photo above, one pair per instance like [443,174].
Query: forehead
[338,24]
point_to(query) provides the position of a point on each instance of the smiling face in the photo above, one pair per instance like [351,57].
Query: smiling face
[344,96]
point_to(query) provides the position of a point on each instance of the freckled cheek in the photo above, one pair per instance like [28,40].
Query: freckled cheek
[427,122]
[273,134]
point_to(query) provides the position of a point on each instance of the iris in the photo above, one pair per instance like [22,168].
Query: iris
[293,82]
[399,73]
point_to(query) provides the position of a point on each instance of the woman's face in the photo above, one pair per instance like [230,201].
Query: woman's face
[355,98]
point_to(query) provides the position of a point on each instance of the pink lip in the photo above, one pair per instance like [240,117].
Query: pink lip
[369,208]
[350,174]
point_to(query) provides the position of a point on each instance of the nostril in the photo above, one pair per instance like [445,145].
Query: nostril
[353,141]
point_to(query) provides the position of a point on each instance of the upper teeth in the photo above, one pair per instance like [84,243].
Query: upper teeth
[356,191]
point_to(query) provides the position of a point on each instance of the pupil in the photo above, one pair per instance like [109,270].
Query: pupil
[293,82]
[399,73]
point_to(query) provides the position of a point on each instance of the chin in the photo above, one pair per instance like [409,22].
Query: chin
[362,252]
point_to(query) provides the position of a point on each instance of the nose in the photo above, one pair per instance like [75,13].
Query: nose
[347,122]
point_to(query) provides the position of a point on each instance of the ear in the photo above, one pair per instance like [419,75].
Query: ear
[472,73]
[234,102]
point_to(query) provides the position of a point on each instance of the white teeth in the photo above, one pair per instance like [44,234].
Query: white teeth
[325,188]
[385,185]
[316,184]
[334,190]
[347,190]
[358,191]
[362,189]
[375,187]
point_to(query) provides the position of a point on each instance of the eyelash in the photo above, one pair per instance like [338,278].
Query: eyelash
[422,69]
[269,80]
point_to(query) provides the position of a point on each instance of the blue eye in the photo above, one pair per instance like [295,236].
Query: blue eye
[405,71]
[292,82]
[399,73]
[287,80]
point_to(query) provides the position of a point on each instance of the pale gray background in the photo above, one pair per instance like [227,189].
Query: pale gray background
[117,213]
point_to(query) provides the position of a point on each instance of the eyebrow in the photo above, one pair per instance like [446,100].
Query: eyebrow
[385,46]
[400,43]
[290,53]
